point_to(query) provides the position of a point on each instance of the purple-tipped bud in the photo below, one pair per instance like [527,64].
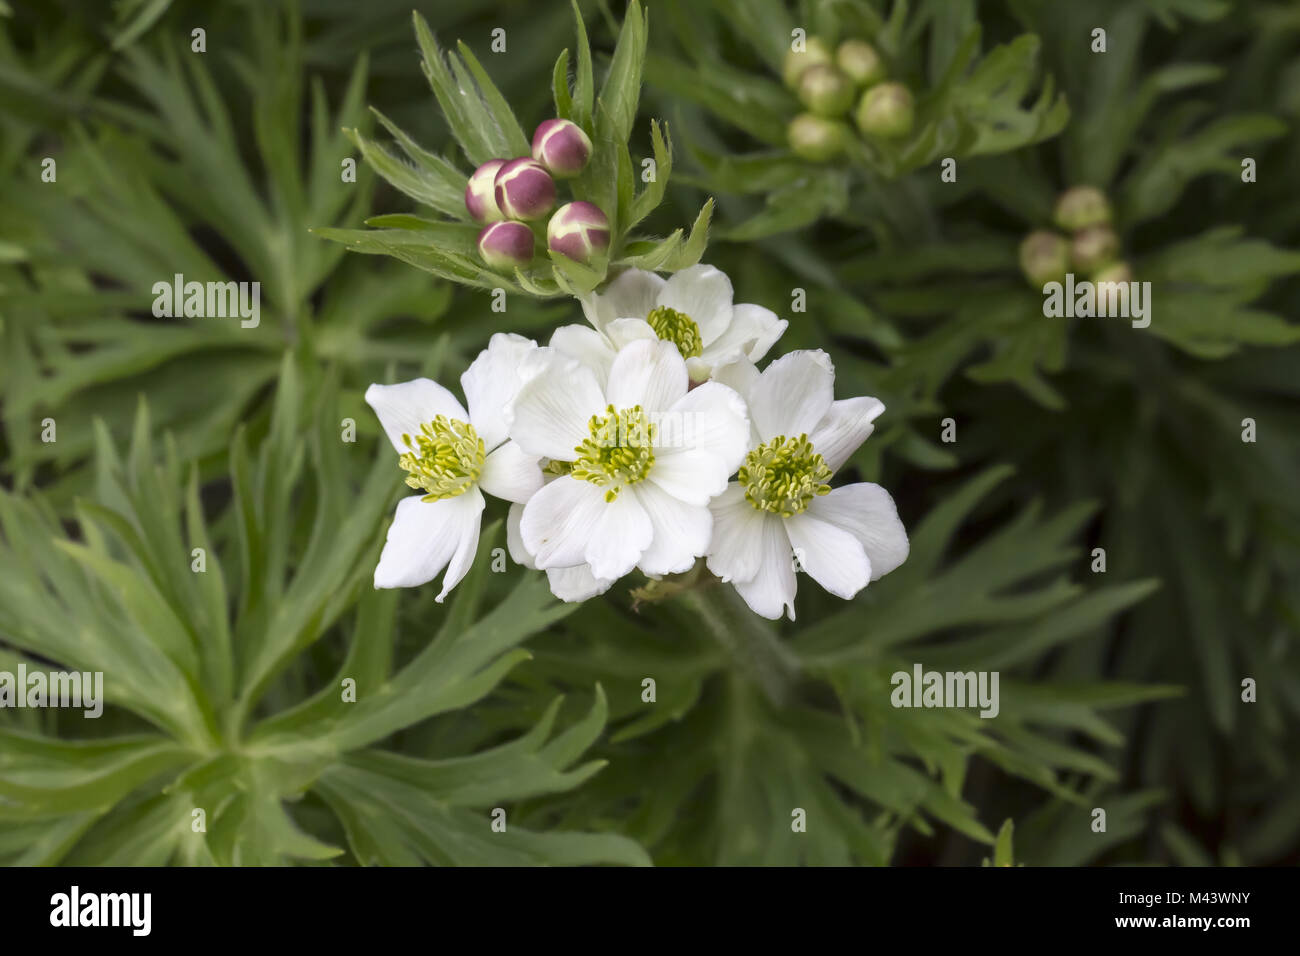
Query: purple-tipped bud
[524,189]
[504,245]
[578,230]
[480,192]
[562,147]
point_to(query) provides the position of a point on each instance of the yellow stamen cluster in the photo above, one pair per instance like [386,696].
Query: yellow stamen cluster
[445,459]
[782,476]
[678,328]
[619,451]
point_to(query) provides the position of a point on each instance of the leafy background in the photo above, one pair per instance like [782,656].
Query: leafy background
[1119,690]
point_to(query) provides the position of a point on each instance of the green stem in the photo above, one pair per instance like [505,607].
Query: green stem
[749,640]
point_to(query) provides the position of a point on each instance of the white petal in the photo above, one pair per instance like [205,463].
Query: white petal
[588,346]
[834,558]
[491,382]
[704,293]
[425,536]
[631,295]
[772,589]
[567,584]
[622,332]
[681,531]
[510,473]
[793,394]
[692,475]
[514,541]
[622,534]
[465,551]
[559,520]
[575,584]
[710,417]
[739,374]
[649,374]
[733,553]
[403,408]
[845,427]
[752,332]
[550,415]
[868,513]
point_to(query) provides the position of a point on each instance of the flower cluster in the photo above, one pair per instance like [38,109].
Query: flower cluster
[829,84]
[506,195]
[647,440]
[1092,246]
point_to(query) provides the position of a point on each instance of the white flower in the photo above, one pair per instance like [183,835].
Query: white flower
[692,309]
[782,506]
[450,455]
[639,454]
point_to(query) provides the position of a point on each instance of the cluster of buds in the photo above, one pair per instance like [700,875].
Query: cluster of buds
[830,85]
[507,195]
[1087,242]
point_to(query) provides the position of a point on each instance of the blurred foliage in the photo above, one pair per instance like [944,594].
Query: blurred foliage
[173,434]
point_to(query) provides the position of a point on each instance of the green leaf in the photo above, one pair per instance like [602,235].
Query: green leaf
[621,90]
[432,180]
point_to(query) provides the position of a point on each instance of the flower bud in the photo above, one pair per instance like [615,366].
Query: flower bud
[1044,257]
[578,230]
[1115,272]
[816,138]
[524,189]
[815,53]
[825,90]
[504,245]
[1081,207]
[859,61]
[562,147]
[1094,247]
[886,111]
[480,192]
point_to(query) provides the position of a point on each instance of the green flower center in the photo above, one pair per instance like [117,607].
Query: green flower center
[445,459]
[782,476]
[618,453]
[678,328]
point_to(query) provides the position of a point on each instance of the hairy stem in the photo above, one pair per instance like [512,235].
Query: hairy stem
[750,641]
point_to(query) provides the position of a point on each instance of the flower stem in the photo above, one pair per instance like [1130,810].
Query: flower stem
[751,642]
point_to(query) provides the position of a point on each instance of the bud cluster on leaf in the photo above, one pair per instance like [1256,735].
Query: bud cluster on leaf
[495,220]
[506,194]
[831,85]
[1090,244]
